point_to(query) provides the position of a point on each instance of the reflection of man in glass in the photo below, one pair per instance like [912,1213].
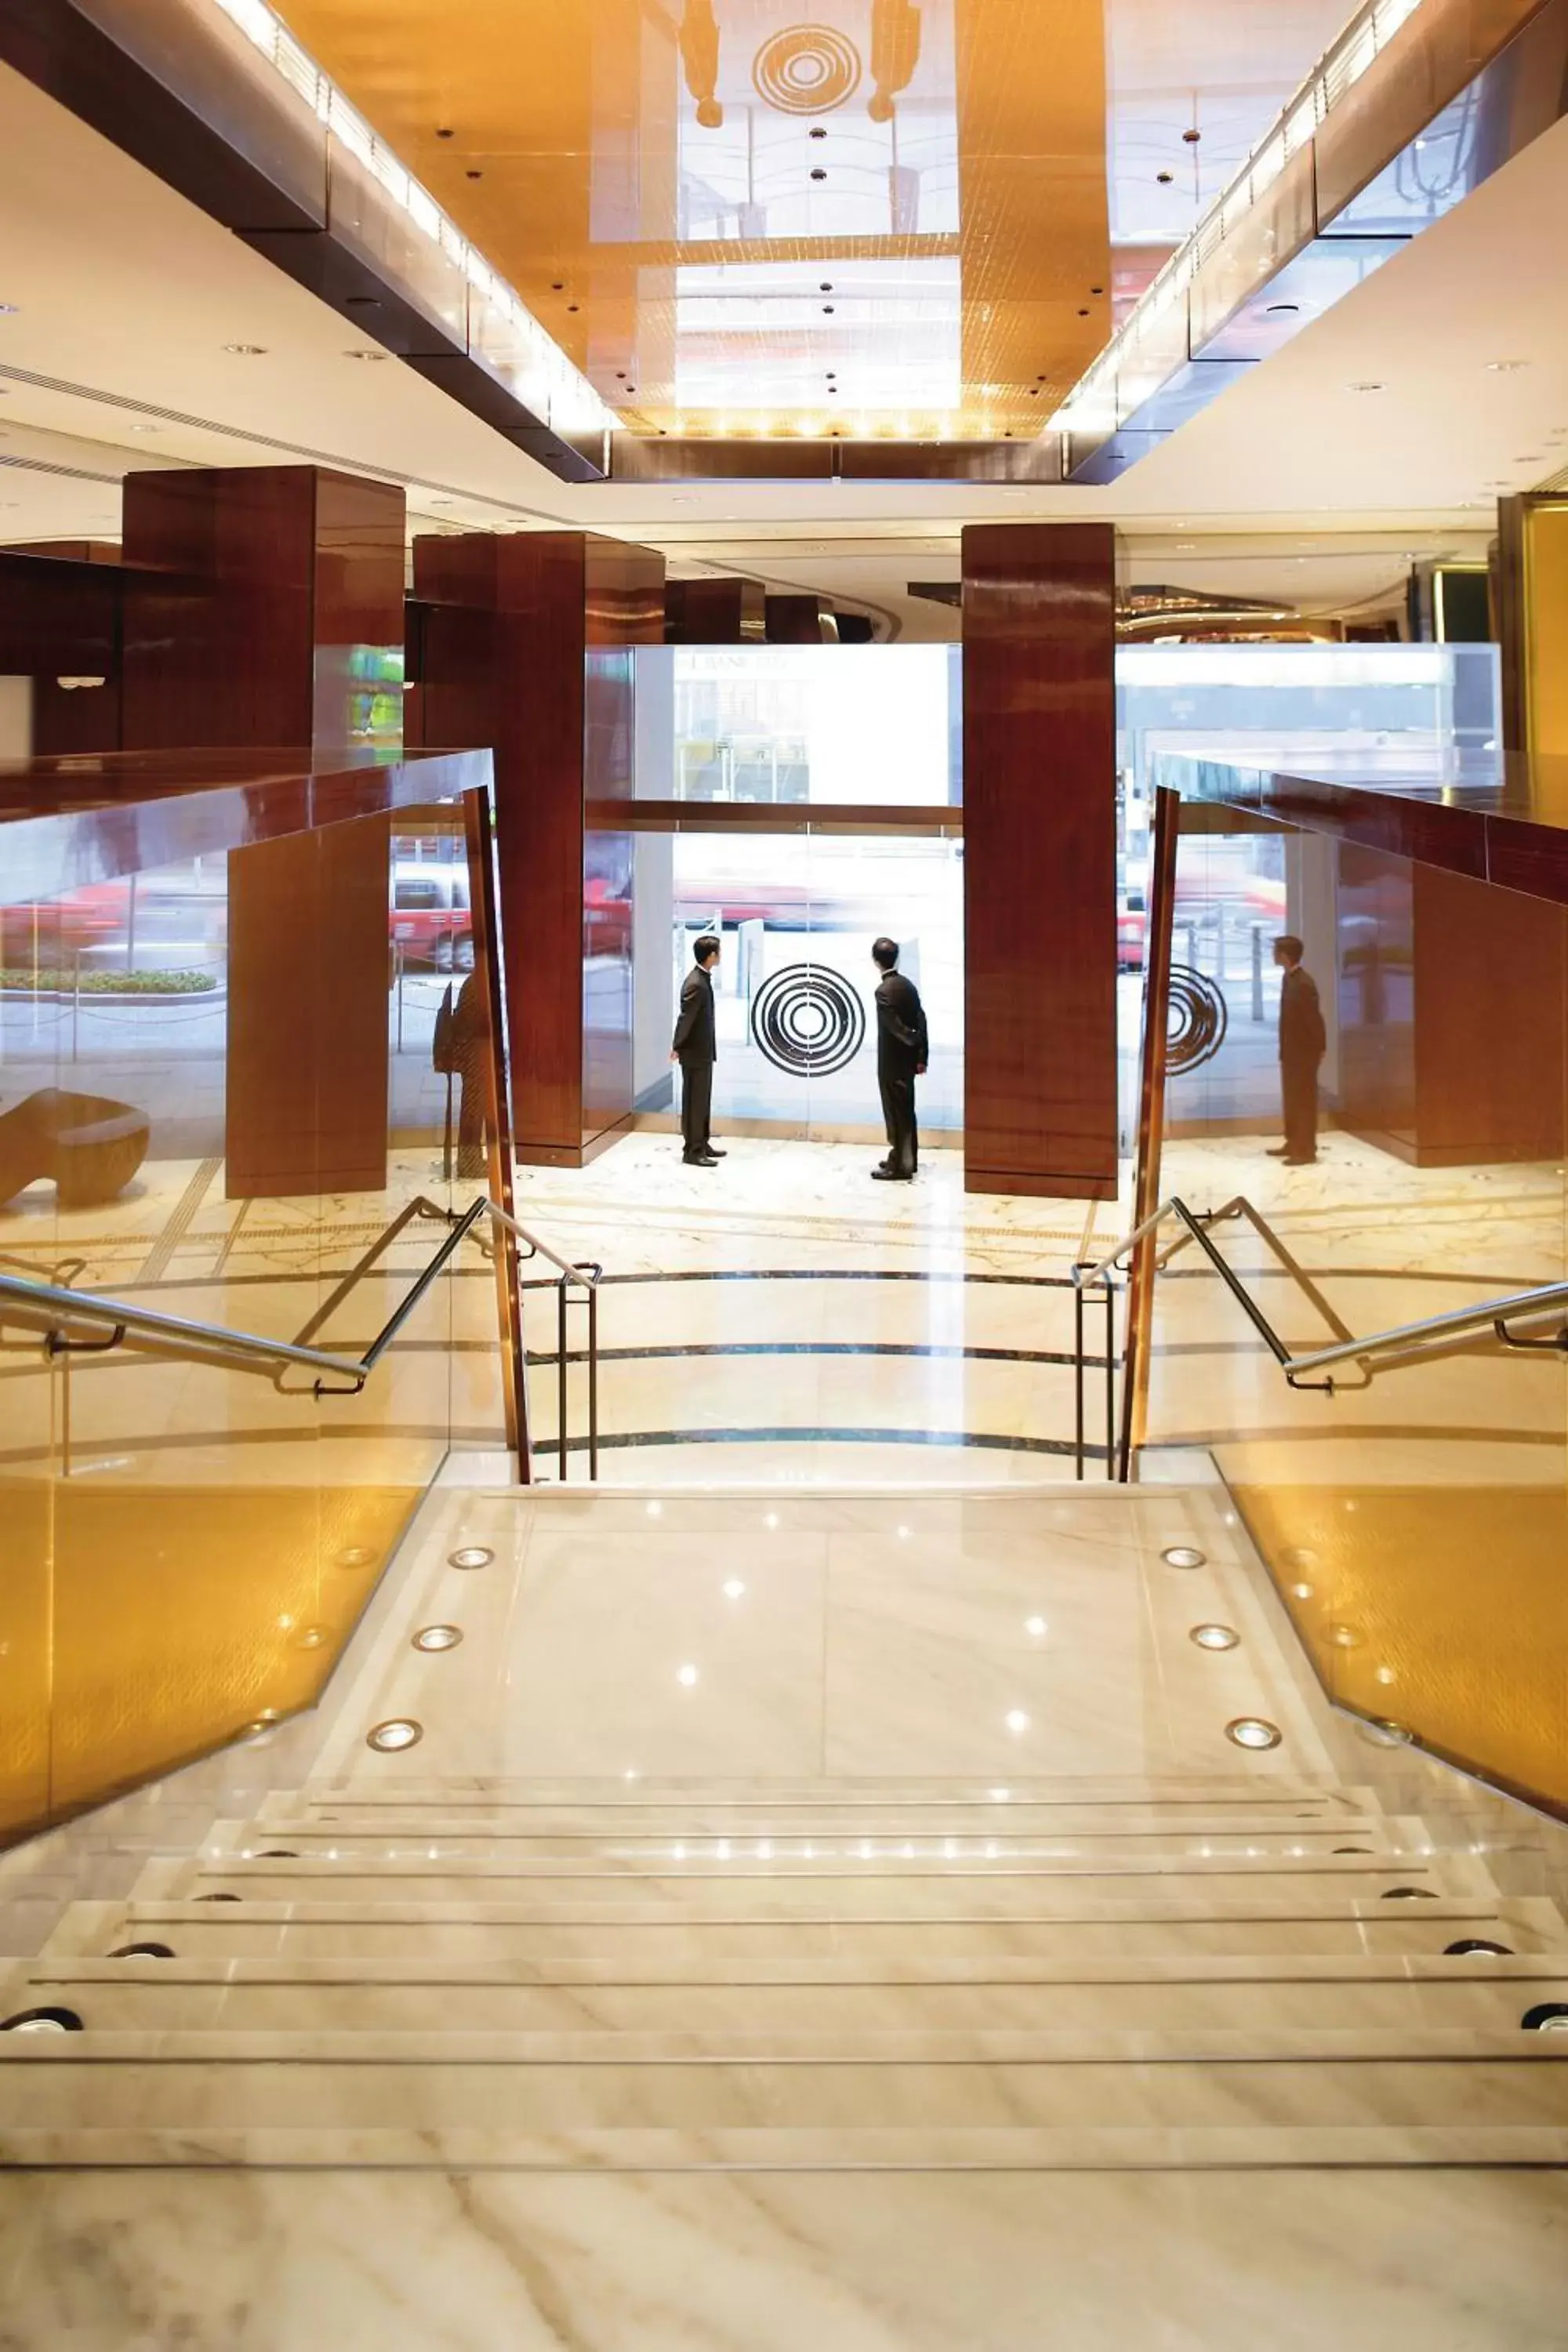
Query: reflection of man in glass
[699,56]
[895,54]
[903,1049]
[696,1048]
[1303,1041]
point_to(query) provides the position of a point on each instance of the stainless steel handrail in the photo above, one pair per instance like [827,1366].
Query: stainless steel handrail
[125,1317]
[1389,1346]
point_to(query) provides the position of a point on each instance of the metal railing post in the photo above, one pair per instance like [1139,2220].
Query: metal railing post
[1078,1372]
[1111,1446]
[561,1373]
[594,1381]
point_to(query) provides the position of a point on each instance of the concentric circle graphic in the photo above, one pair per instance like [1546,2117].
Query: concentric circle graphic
[808,1021]
[809,70]
[1199,1018]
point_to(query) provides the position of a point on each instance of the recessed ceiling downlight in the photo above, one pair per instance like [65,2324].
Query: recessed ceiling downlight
[1546,2016]
[1215,1637]
[470,1556]
[437,1637]
[1183,1556]
[1252,1732]
[391,1738]
[43,2021]
[246,350]
[1476,1947]
[143,1952]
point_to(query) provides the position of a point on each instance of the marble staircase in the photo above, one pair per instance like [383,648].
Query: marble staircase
[712,1975]
[874,2058]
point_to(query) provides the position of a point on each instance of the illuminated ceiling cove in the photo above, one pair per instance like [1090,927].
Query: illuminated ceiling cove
[739,216]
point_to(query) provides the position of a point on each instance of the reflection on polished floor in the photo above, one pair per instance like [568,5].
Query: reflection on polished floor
[783,1927]
[784,1318]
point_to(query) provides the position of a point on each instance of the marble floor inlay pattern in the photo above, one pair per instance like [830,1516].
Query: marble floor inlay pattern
[795,1918]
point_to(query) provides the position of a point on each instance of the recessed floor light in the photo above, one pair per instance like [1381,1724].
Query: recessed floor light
[437,1637]
[391,1738]
[367,354]
[1183,1556]
[246,350]
[1252,1732]
[1215,1637]
[470,1556]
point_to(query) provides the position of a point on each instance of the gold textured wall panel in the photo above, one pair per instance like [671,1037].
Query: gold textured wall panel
[720,209]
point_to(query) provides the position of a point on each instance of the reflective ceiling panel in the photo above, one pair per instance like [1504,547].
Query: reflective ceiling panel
[741,216]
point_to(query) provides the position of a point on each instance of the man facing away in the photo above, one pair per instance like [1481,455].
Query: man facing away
[903,1049]
[696,1048]
[1303,1040]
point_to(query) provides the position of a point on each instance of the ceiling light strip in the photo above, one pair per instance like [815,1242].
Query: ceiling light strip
[573,404]
[1095,408]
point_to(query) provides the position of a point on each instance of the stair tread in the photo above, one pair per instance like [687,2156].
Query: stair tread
[1245,2148]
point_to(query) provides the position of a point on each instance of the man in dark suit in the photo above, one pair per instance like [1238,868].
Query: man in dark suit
[903,1049]
[1303,1040]
[696,1048]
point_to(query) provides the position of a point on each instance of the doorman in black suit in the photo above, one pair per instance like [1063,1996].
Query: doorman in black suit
[696,1048]
[903,1049]
[1303,1041]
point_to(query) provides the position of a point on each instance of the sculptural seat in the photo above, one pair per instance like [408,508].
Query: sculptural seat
[91,1145]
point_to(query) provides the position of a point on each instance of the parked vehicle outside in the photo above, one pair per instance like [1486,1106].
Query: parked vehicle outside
[430,917]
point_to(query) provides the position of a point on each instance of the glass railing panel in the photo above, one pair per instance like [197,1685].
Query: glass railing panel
[237,1050]
[1415,1520]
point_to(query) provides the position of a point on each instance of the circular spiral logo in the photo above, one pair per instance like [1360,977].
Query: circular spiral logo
[809,70]
[1198,1019]
[808,1021]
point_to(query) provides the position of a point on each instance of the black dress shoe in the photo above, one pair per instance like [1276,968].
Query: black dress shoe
[1280,1152]
[698,1159]
[714,1152]
[1299,1160]
[890,1176]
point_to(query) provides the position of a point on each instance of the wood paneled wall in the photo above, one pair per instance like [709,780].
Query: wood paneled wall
[526,650]
[1452,1027]
[1040,814]
[281,576]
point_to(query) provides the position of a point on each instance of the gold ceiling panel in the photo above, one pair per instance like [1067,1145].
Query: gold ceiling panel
[767,215]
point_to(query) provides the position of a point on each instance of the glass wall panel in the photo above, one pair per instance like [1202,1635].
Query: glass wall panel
[1415,1517]
[792,726]
[187,1536]
[797,914]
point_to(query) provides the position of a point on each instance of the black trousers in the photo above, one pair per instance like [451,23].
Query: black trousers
[899,1116]
[696,1104]
[1298,1086]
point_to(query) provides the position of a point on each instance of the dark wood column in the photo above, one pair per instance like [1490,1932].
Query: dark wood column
[282,624]
[1039,860]
[527,646]
[720,612]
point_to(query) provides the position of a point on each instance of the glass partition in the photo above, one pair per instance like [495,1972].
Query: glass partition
[187,1536]
[1413,1519]
[794,726]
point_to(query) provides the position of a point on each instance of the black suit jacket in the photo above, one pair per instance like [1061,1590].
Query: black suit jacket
[902,1044]
[696,1031]
[1302,1036]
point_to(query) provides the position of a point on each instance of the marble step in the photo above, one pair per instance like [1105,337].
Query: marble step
[1242,2151]
[370,2081]
[631,1935]
[795,1842]
[385,1781]
[823,1996]
[1315,1886]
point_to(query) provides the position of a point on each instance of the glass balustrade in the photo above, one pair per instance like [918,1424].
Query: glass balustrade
[229,1092]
